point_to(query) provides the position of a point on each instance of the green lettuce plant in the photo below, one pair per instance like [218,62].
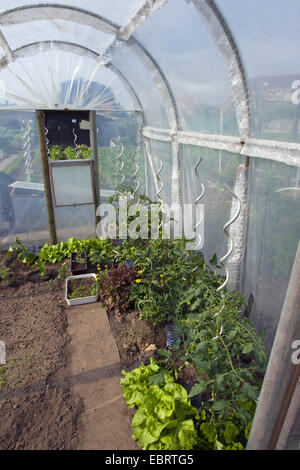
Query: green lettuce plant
[165,419]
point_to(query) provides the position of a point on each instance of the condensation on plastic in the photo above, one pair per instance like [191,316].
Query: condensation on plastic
[194,69]
[273,237]
[57,79]
[21,216]
[215,168]
[228,49]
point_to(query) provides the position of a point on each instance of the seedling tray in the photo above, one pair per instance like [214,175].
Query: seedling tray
[80,300]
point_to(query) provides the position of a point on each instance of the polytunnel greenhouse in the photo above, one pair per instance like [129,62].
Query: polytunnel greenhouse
[149,224]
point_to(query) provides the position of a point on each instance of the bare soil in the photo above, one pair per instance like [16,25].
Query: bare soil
[36,412]
[33,414]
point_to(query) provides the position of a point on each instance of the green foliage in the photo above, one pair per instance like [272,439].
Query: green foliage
[22,252]
[227,352]
[102,255]
[110,178]
[56,253]
[133,214]
[2,377]
[62,271]
[69,153]
[4,274]
[225,433]
[165,418]
[56,153]
[85,289]
[167,271]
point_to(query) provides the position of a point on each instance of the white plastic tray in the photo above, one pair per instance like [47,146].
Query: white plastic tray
[80,300]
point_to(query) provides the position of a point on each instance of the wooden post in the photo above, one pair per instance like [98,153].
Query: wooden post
[40,117]
[282,373]
[94,147]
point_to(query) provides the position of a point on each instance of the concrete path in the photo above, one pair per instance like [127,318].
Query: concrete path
[93,372]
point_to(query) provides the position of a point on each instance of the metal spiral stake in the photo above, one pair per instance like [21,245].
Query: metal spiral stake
[47,141]
[197,202]
[136,172]
[27,150]
[136,179]
[231,244]
[119,169]
[75,143]
[116,145]
[158,194]
[122,164]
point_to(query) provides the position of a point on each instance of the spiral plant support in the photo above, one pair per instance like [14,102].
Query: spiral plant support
[75,143]
[135,190]
[47,141]
[197,202]
[26,128]
[231,244]
[119,169]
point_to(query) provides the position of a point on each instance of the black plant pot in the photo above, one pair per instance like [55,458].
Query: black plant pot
[78,268]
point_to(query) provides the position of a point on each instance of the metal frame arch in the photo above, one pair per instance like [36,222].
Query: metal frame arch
[27,13]
[35,12]
[35,47]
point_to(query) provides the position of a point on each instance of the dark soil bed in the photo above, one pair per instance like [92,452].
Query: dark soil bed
[137,340]
[33,414]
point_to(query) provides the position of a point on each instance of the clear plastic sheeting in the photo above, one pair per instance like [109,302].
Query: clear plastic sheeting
[194,68]
[120,153]
[115,11]
[72,183]
[76,222]
[52,78]
[267,34]
[273,237]
[215,169]
[151,94]
[19,36]
[23,212]
[159,169]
